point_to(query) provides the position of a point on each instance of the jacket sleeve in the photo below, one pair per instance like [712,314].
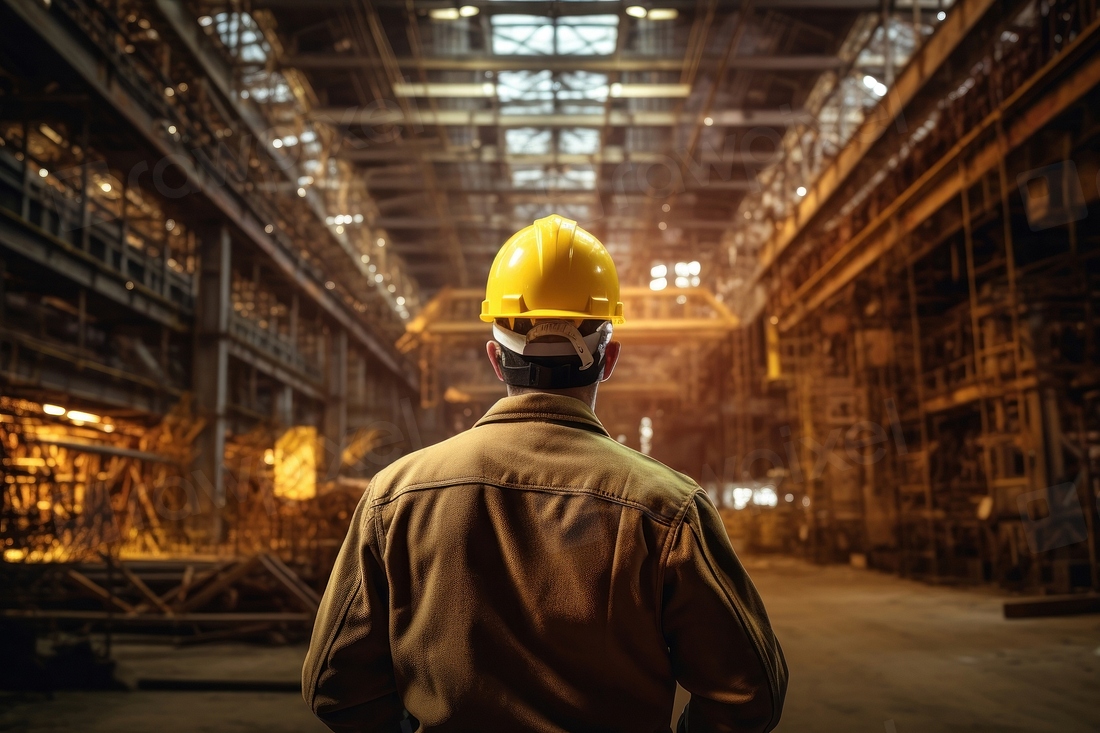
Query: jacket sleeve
[347,678]
[721,643]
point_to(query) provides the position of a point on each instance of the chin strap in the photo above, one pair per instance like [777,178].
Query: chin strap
[576,361]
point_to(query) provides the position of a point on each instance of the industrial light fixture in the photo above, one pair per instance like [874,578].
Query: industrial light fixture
[365,259]
[105,187]
[444,89]
[658,271]
[875,85]
[687,274]
[381,242]
[269,229]
[649,91]
[765,496]
[42,172]
[636,11]
[276,143]
[205,21]
[330,285]
[708,121]
[55,410]
[659,283]
[941,15]
[302,192]
[466,11]
[801,190]
[663,14]
[171,129]
[78,416]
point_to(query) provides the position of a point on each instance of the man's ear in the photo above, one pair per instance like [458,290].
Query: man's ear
[492,348]
[610,359]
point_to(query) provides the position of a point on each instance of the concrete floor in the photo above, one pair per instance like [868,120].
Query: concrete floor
[867,652]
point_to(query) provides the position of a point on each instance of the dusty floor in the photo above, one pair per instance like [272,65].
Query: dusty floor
[868,653]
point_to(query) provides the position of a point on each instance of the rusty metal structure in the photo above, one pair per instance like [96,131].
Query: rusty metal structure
[938,279]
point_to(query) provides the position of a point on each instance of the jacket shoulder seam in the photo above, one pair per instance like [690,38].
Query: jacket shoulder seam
[674,528]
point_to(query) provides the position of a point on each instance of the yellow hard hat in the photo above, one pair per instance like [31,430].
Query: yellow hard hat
[553,269]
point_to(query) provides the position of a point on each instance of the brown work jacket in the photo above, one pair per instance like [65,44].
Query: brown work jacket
[532,574]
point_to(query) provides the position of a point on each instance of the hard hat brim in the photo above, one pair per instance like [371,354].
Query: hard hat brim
[552,313]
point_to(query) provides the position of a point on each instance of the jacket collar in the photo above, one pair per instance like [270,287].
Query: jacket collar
[543,407]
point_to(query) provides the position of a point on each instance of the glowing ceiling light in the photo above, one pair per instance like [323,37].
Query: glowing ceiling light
[636,11]
[941,15]
[381,242]
[276,143]
[78,416]
[171,129]
[708,121]
[105,187]
[469,11]
[870,82]
[444,14]
[302,192]
[400,300]
[55,410]
[330,285]
[664,14]
[694,268]
[801,190]
[43,172]
[658,271]
[765,496]
[205,21]
[659,283]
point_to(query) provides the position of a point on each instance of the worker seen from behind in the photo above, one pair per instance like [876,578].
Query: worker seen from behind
[531,573]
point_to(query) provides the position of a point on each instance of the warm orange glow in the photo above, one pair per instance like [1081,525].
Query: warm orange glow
[296,463]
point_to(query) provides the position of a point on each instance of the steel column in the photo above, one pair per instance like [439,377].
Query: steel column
[211,363]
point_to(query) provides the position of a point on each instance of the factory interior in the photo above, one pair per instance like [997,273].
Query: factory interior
[243,249]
